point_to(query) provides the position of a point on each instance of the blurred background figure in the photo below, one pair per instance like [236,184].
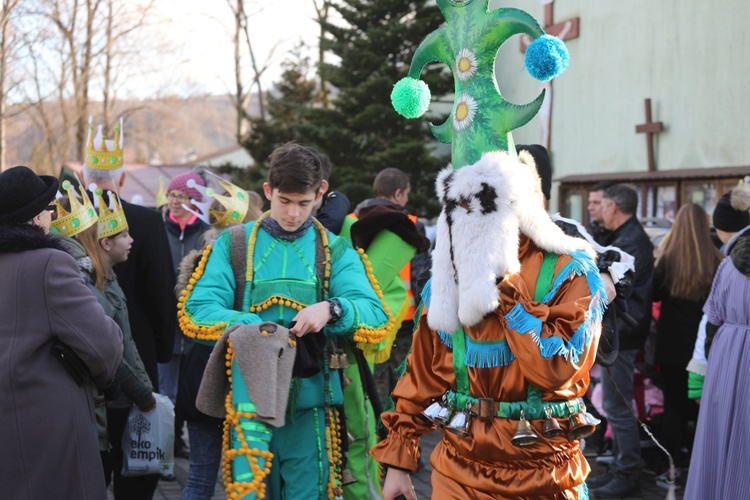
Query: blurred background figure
[184,230]
[683,275]
[718,466]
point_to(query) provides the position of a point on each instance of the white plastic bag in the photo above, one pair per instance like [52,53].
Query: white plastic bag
[148,440]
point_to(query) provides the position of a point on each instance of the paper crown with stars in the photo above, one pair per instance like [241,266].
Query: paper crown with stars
[103,154]
[111,216]
[161,194]
[235,201]
[80,217]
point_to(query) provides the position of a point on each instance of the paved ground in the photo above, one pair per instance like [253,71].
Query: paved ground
[172,490]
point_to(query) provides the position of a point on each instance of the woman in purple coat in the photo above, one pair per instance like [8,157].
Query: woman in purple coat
[48,435]
[719,465]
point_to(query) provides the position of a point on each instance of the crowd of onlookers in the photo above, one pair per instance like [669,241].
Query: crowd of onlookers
[685,307]
[685,294]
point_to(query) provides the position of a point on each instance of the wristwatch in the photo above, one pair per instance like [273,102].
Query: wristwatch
[334,306]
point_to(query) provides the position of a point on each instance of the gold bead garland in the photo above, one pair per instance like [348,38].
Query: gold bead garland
[335,455]
[187,325]
[365,334]
[323,232]
[238,489]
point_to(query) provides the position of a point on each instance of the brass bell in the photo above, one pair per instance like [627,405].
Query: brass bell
[343,360]
[525,435]
[432,411]
[333,361]
[580,427]
[551,427]
[347,478]
[345,381]
[459,424]
[444,415]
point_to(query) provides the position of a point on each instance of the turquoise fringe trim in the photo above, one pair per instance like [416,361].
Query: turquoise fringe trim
[427,292]
[445,337]
[478,354]
[583,491]
[581,264]
[488,354]
[520,320]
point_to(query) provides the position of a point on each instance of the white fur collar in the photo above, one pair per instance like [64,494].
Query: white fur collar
[485,206]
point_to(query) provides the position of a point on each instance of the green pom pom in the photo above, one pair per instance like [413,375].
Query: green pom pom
[410,97]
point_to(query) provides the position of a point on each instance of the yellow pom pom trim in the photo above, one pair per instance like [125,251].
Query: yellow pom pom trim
[187,325]
[278,300]
[366,334]
[238,489]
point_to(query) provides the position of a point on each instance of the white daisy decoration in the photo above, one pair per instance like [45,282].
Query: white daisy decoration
[466,108]
[466,64]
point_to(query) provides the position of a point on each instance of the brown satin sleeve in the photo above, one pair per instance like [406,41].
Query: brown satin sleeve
[429,374]
[565,314]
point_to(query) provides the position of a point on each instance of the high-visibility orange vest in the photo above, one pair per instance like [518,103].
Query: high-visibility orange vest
[406,277]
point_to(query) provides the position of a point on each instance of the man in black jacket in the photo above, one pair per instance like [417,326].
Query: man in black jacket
[594,207]
[618,213]
[148,280]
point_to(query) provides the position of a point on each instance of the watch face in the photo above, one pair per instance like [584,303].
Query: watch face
[336,310]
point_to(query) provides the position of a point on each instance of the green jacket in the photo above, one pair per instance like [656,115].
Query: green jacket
[131,374]
[284,279]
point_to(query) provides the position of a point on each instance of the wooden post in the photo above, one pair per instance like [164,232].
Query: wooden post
[650,128]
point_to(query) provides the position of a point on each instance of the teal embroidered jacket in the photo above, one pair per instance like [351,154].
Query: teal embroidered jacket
[284,277]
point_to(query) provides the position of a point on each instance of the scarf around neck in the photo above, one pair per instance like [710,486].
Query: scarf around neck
[274,229]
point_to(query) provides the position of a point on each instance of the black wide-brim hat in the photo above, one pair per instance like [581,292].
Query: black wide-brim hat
[24,194]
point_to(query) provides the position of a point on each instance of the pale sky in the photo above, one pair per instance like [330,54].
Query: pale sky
[203,30]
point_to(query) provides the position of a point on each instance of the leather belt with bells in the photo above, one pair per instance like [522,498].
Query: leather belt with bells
[487,408]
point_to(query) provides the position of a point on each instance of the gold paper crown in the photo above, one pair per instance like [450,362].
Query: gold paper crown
[102,154]
[235,201]
[80,217]
[111,218]
[161,194]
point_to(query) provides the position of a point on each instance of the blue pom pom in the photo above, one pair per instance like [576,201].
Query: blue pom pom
[546,57]
[410,97]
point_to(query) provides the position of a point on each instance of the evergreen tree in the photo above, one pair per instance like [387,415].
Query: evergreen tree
[286,106]
[361,133]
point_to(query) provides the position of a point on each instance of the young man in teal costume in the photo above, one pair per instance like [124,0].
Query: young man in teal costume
[287,251]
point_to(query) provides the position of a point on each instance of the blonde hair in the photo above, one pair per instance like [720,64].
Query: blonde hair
[689,259]
[89,240]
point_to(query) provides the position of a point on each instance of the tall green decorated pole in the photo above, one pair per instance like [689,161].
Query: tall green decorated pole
[481,120]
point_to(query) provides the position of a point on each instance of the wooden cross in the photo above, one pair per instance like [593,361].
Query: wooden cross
[564,30]
[650,128]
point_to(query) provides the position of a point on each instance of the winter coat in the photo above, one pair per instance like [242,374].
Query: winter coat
[677,327]
[131,375]
[47,430]
[333,211]
[181,243]
[196,360]
[631,238]
[148,284]
[421,264]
